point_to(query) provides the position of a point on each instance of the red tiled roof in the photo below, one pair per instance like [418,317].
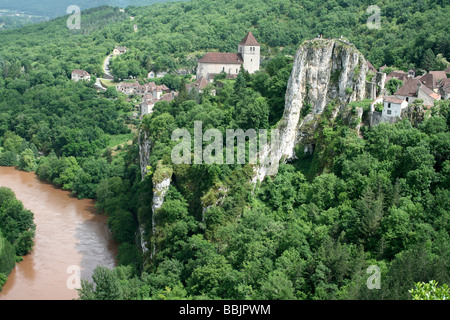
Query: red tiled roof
[249,40]
[409,88]
[393,99]
[222,57]
[428,80]
[438,76]
[430,93]
[201,83]
[398,74]
[80,72]
[444,84]
[168,97]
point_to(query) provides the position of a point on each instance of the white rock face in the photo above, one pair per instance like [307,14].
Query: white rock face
[160,188]
[159,193]
[323,71]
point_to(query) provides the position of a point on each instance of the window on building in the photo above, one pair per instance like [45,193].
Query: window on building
[407,99]
[389,112]
[389,105]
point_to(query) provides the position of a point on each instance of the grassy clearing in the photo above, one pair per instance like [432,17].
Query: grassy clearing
[119,139]
[108,83]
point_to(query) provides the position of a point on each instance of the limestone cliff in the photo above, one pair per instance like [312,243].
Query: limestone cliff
[162,178]
[324,71]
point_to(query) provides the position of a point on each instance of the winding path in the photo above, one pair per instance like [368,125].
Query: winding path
[107,75]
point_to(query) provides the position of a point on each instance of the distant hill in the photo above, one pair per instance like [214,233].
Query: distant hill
[51,8]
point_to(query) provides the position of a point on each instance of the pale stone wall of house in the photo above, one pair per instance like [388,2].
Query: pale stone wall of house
[251,56]
[427,100]
[396,109]
[77,77]
[204,69]
[146,108]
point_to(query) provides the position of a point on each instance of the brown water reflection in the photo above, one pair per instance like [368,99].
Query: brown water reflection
[68,233]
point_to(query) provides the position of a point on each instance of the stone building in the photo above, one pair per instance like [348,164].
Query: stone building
[214,63]
[79,74]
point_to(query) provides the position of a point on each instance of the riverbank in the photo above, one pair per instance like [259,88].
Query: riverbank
[69,233]
[17,230]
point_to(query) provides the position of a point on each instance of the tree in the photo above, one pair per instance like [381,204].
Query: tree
[277,286]
[240,84]
[430,291]
[12,142]
[27,161]
[106,286]
[393,85]
[111,92]
[428,60]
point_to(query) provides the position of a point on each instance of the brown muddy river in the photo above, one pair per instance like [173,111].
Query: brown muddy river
[70,236]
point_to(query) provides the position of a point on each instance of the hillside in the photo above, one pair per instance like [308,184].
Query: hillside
[52,9]
[345,198]
[174,35]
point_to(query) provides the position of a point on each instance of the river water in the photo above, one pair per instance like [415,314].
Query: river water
[70,236]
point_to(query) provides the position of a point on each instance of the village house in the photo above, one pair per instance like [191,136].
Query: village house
[149,101]
[413,89]
[214,63]
[119,50]
[393,106]
[398,74]
[444,89]
[79,74]
[136,88]
[199,86]
[147,104]
[438,76]
[151,93]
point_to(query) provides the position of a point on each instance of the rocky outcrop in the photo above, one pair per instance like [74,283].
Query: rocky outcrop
[161,183]
[161,179]
[324,71]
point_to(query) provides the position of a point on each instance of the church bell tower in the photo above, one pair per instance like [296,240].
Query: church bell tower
[249,48]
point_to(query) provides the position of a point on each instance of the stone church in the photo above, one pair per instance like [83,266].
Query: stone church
[213,63]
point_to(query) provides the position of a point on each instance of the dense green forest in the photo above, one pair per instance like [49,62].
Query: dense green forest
[16,232]
[311,231]
[51,9]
